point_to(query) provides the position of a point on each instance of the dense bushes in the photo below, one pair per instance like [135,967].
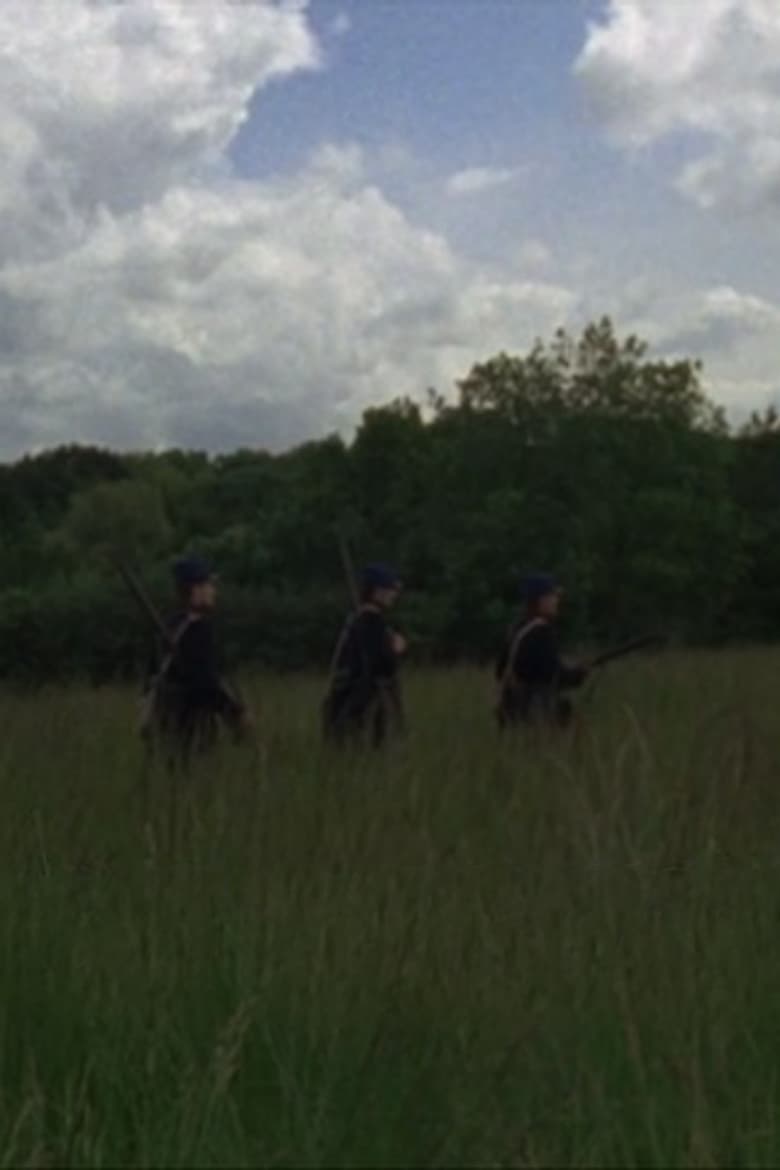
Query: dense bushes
[584,457]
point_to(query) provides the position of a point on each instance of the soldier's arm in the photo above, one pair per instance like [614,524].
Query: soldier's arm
[545,664]
[550,668]
[502,661]
[571,676]
[377,646]
[153,661]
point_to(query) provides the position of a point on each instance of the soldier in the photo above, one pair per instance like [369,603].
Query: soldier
[364,694]
[530,672]
[187,698]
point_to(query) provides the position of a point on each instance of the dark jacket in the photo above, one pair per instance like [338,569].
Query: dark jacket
[194,670]
[186,696]
[366,650]
[531,685]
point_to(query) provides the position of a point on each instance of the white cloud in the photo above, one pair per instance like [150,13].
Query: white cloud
[733,332]
[709,68]
[254,314]
[113,102]
[534,256]
[723,324]
[752,313]
[476,180]
[148,295]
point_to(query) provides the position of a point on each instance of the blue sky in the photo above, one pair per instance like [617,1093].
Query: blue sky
[490,83]
[458,84]
[228,223]
[481,80]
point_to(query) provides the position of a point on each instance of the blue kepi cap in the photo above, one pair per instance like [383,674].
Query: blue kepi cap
[539,585]
[380,576]
[191,570]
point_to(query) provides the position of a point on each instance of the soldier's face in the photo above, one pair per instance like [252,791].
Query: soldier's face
[204,596]
[387,597]
[550,604]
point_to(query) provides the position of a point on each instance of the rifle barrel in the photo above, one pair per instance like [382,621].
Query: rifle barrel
[627,648]
[349,571]
[144,602]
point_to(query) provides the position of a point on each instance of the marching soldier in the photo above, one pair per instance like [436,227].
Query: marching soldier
[530,672]
[364,697]
[187,699]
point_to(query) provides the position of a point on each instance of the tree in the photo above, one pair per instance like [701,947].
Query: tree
[755,490]
[761,424]
[598,375]
[127,518]
[584,456]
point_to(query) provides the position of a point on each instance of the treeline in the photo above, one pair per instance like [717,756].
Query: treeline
[583,456]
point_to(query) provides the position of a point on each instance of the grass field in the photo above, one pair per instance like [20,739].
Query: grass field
[462,954]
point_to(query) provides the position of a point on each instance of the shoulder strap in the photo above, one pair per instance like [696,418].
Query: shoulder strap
[346,629]
[517,641]
[349,625]
[176,638]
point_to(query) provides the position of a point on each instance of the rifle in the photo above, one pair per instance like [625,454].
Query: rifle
[352,590]
[607,656]
[599,660]
[144,602]
[636,644]
[349,571]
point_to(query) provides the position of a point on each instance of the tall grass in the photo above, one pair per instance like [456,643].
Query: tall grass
[465,952]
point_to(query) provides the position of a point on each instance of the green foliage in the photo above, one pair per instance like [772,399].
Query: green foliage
[583,456]
[596,375]
[755,485]
[72,626]
[126,518]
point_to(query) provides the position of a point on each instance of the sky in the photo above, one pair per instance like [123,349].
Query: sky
[239,223]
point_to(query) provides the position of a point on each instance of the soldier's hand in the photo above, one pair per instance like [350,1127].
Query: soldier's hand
[244,725]
[248,722]
[399,643]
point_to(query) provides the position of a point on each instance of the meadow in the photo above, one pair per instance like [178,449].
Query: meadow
[467,952]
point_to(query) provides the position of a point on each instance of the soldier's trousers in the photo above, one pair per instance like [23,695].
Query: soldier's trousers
[351,716]
[179,738]
[557,714]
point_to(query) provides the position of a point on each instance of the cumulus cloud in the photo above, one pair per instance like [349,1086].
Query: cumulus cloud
[257,314]
[109,103]
[534,256]
[710,69]
[732,331]
[476,180]
[722,322]
[149,296]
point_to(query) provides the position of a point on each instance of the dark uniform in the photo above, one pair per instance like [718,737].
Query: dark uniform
[364,698]
[186,699]
[531,674]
